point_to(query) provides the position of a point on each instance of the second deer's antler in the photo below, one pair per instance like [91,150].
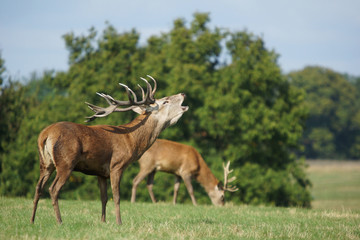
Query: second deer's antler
[226,180]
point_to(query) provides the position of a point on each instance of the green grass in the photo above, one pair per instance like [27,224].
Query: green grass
[81,220]
[335,215]
[336,185]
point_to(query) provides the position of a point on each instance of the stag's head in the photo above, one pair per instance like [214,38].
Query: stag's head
[167,111]
[217,195]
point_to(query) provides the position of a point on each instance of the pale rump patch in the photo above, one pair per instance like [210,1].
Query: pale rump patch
[47,153]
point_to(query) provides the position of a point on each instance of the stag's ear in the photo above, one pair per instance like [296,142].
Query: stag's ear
[138,110]
[220,186]
[148,108]
[152,107]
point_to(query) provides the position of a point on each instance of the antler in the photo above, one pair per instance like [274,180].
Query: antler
[226,180]
[147,99]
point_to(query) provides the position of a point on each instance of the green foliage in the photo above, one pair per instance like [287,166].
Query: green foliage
[251,112]
[258,185]
[333,125]
[244,111]
[18,125]
[15,102]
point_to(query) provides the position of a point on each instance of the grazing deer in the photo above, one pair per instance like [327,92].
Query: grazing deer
[102,150]
[184,162]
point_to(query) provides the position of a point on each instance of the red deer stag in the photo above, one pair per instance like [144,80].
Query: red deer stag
[184,162]
[102,150]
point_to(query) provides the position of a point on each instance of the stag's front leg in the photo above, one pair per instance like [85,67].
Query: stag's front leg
[115,177]
[104,196]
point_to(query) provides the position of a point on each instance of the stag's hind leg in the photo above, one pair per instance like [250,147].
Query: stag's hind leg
[104,197]
[45,174]
[59,181]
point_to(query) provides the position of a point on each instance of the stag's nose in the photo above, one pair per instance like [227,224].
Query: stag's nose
[183,94]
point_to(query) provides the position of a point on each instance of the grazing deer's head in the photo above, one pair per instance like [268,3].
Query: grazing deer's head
[217,196]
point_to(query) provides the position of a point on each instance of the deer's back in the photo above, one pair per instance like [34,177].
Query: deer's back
[172,157]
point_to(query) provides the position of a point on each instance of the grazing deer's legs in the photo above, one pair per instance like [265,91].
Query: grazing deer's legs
[45,174]
[149,185]
[115,177]
[176,188]
[104,196]
[141,175]
[187,181]
[55,188]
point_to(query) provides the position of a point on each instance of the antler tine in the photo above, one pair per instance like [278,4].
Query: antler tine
[155,85]
[148,97]
[99,111]
[94,108]
[142,91]
[103,112]
[108,98]
[152,91]
[129,92]
[232,189]
[113,101]
[226,180]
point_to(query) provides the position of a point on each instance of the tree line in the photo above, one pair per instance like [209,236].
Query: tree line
[242,109]
[333,102]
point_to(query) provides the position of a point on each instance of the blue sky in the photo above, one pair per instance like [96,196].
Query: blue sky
[307,32]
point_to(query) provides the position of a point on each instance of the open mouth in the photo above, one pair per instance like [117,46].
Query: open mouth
[184,108]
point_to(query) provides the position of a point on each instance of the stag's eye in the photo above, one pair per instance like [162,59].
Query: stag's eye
[165,102]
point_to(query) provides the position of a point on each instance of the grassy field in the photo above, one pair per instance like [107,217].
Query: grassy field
[336,185]
[336,215]
[165,221]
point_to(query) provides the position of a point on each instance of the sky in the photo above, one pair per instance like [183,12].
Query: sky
[322,33]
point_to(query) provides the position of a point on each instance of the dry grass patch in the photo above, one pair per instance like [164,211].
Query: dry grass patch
[336,184]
